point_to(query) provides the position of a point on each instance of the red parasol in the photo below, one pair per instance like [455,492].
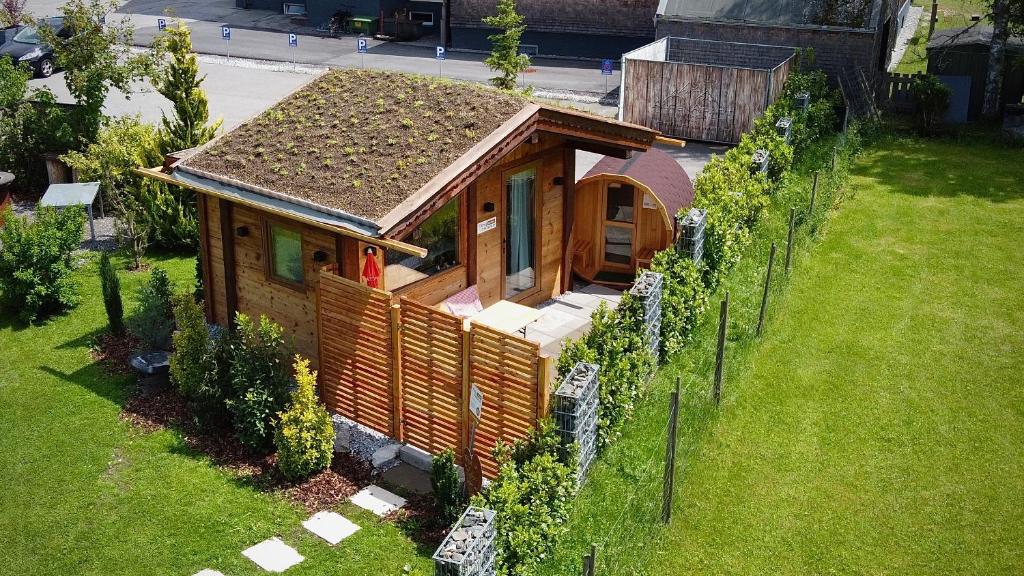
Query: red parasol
[371,270]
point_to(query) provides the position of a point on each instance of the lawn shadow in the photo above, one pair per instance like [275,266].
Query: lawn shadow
[95,379]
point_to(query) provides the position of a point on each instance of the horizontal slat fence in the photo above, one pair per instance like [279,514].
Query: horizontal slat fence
[356,354]
[432,378]
[513,378]
[405,369]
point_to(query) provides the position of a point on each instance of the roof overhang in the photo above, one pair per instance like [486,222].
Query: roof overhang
[306,213]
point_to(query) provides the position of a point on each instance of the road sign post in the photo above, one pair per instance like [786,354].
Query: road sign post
[607,69]
[225,33]
[161,24]
[293,42]
[441,55]
[362,46]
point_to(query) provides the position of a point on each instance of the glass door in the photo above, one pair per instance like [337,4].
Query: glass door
[520,237]
[620,204]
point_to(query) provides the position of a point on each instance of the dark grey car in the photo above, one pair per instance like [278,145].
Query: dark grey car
[27,46]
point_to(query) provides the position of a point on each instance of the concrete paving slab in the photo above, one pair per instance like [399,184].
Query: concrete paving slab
[330,526]
[377,500]
[207,572]
[408,477]
[273,555]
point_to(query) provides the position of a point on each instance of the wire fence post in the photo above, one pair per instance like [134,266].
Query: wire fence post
[589,561]
[723,319]
[814,192]
[834,152]
[670,455]
[789,240]
[767,285]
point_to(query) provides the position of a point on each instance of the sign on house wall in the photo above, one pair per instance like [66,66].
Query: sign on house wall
[487,225]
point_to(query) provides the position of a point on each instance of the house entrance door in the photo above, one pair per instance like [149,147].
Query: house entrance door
[520,232]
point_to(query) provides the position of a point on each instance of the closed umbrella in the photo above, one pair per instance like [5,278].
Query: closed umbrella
[371,270]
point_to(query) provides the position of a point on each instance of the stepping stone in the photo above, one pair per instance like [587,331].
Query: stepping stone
[330,526]
[207,572]
[377,500]
[273,555]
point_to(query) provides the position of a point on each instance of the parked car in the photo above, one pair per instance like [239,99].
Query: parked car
[7,33]
[27,46]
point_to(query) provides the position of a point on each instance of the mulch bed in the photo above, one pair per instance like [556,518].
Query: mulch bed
[156,408]
[113,353]
[419,520]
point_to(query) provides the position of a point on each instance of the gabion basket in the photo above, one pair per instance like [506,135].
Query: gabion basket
[574,409]
[785,128]
[647,290]
[691,238]
[802,101]
[468,550]
[759,161]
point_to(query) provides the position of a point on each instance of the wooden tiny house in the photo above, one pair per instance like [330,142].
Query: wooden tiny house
[368,211]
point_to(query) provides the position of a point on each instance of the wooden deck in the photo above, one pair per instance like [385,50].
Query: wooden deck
[567,317]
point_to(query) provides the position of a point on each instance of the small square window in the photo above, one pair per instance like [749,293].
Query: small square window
[286,254]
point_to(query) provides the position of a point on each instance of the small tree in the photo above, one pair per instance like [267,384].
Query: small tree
[111,286]
[505,58]
[259,381]
[153,320]
[12,12]
[932,99]
[305,434]
[178,80]
[35,261]
[191,358]
[444,479]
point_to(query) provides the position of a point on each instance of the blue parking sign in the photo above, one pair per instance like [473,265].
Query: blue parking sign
[293,40]
[607,67]
[161,24]
[441,53]
[362,46]
[225,32]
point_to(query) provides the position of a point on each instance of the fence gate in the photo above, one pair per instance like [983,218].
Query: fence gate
[432,349]
[356,353]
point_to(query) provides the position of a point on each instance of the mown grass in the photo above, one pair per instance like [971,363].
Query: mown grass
[951,14]
[878,426]
[84,493]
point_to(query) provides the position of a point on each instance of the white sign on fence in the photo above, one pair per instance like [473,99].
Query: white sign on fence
[487,225]
[476,401]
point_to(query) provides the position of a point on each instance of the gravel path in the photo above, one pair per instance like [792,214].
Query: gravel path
[105,238]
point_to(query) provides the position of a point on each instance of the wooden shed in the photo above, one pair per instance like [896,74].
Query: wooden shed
[701,89]
[960,58]
[625,212]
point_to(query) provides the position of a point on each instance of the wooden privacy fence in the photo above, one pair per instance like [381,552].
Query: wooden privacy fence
[406,370]
[700,89]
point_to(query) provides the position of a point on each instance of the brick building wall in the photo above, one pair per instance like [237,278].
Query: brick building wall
[605,17]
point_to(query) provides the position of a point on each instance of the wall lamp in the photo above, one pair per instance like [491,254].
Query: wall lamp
[242,231]
[319,256]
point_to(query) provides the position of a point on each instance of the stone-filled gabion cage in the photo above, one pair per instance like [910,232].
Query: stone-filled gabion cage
[647,290]
[468,550]
[574,409]
[691,236]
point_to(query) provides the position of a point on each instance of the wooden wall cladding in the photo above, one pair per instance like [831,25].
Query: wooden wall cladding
[356,351]
[432,378]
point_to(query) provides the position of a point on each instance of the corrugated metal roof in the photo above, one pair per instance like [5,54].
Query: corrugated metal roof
[772,12]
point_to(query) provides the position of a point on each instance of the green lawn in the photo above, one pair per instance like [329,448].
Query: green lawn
[951,14]
[84,493]
[878,426]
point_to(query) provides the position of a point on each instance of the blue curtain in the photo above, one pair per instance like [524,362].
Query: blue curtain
[520,228]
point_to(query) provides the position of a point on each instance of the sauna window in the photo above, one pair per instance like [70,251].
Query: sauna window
[618,245]
[439,234]
[620,203]
[286,254]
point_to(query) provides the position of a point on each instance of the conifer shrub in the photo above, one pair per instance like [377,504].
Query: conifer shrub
[190,361]
[305,436]
[153,320]
[111,288]
[448,495]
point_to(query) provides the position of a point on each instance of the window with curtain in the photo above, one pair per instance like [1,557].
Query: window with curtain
[286,254]
[520,250]
[439,234]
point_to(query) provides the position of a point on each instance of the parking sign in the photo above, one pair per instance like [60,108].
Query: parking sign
[607,67]
[225,32]
[441,53]
[161,24]
[362,45]
[293,40]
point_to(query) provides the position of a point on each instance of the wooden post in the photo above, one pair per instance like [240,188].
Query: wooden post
[814,192]
[593,559]
[767,286]
[543,385]
[670,455]
[834,151]
[227,238]
[789,241]
[397,400]
[586,565]
[467,417]
[723,319]
[933,19]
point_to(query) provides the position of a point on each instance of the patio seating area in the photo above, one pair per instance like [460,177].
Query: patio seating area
[567,316]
